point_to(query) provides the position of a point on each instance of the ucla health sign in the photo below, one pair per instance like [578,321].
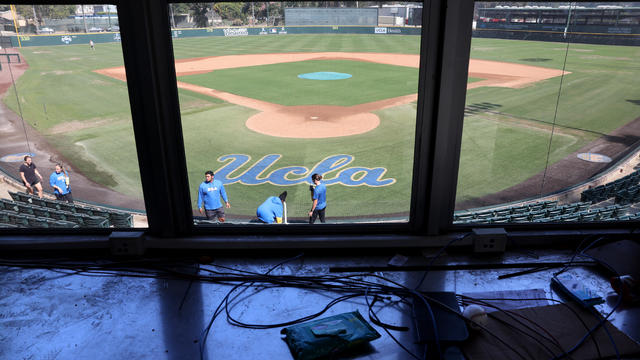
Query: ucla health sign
[265,171]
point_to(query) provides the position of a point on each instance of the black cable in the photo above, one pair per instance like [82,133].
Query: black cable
[353,285]
[217,311]
[512,315]
[373,315]
[596,327]
[440,251]
[575,313]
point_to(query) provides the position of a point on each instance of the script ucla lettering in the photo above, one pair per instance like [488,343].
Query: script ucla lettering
[259,172]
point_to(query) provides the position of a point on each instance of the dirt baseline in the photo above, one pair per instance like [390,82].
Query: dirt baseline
[323,121]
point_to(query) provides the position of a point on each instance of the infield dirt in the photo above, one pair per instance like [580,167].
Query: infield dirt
[322,121]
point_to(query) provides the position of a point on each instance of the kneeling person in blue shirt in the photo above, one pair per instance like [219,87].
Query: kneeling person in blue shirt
[209,195]
[59,181]
[272,209]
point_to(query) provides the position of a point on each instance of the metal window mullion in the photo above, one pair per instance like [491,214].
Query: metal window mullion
[153,95]
[430,48]
[450,114]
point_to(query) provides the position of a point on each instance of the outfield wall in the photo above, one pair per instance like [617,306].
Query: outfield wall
[105,37]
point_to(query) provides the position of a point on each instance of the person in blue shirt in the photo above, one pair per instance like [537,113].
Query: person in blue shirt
[319,198]
[209,195]
[272,209]
[59,181]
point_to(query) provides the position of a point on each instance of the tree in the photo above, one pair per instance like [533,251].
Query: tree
[180,8]
[199,12]
[230,11]
[45,12]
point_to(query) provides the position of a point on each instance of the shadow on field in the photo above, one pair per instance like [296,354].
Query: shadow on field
[535,59]
[473,109]
[636,102]
[626,139]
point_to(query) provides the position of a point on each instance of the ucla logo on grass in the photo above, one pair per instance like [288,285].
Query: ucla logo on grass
[263,171]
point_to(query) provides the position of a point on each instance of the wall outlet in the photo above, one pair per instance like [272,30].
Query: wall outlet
[127,243]
[489,240]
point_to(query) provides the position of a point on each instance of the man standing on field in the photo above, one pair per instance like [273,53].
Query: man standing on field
[209,195]
[30,176]
[319,199]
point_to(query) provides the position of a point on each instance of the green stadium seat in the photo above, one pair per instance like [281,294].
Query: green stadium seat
[588,216]
[502,213]
[36,222]
[536,207]
[40,212]
[554,212]
[621,210]
[7,205]
[24,209]
[520,218]
[520,210]
[57,215]
[51,204]
[605,214]
[464,217]
[96,221]
[61,224]
[500,220]
[484,215]
[538,216]
[83,210]
[65,206]
[19,220]
[14,196]
[120,219]
[7,225]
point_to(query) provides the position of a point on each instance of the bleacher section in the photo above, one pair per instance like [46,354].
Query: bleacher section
[625,190]
[546,211]
[30,211]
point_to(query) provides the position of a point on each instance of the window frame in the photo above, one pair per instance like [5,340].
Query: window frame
[153,96]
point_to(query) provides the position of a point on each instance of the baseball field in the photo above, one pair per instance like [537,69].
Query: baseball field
[247,115]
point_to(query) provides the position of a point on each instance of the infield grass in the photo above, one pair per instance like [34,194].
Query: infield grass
[279,83]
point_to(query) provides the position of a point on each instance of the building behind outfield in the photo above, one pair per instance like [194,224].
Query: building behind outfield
[611,25]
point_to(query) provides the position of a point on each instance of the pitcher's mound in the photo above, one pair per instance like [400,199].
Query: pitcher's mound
[313,121]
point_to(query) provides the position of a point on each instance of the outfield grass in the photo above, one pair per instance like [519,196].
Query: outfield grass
[279,83]
[499,148]
[88,119]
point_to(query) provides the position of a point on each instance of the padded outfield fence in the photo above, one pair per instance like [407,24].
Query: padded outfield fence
[557,34]
[106,37]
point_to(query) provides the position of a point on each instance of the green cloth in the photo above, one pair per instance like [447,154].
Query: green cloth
[328,336]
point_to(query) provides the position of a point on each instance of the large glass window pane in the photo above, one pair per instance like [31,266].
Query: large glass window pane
[61,106]
[552,115]
[272,93]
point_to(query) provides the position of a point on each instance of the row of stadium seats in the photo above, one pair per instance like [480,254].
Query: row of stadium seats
[82,220]
[503,212]
[13,219]
[115,218]
[569,212]
[629,195]
[611,189]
